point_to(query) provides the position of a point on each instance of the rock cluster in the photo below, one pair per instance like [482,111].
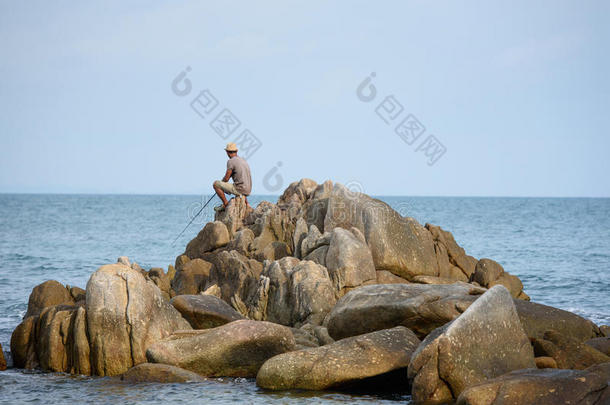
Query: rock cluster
[326,289]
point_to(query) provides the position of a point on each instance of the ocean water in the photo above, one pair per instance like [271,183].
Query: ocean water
[559,247]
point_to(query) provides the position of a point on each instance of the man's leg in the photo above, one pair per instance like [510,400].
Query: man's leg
[219,191]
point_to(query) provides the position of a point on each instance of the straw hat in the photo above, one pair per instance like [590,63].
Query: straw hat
[231,147]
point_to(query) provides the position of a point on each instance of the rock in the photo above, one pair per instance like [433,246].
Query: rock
[125,314]
[605,330]
[601,343]
[23,344]
[293,293]
[568,352]
[489,273]
[161,280]
[191,277]
[205,311]
[385,277]
[545,362]
[299,192]
[421,308]
[2,360]
[241,242]
[234,215]
[346,362]
[450,255]
[274,251]
[181,261]
[538,387]
[322,335]
[48,294]
[269,223]
[160,373]
[309,242]
[349,261]
[212,236]
[235,275]
[237,349]
[433,280]
[300,232]
[212,290]
[318,255]
[124,260]
[399,245]
[486,341]
[77,293]
[303,339]
[537,319]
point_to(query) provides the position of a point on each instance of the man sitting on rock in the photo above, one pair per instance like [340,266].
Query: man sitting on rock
[238,170]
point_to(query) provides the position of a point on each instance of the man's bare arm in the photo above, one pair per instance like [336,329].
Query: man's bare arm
[227,175]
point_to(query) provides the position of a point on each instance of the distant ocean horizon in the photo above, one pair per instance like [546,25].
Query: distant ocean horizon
[558,246]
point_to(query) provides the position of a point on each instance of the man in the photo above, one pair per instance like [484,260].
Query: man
[239,171]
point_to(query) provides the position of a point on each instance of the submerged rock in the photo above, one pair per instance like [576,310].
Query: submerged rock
[539,387]
[340,364]
[160,373]
[237,349]
[486,341]
[125,314]
[205,311]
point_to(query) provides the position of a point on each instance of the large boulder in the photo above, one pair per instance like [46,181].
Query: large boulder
[191,277]
[293,293]
[539,387]
[537,319]
[48,294]
[349,260]
[453,261]
[205,311]
[126,313]
[486,341]
[234,215]
[346,362]
[567,351]
[298,192]
[237,349]
[421,308]
[397,244]
[212,236]
[23,344]
[159,373]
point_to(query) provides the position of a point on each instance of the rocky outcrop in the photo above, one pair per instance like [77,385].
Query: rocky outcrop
[601,343]
[486,341]
[125,314]
[399,245]
[48,294]
[160,373]
[453,262]
[421,308]
[340,364]
[212,236]
[234,215]
[237,349]
[205,311]
[568,352]
[539,387]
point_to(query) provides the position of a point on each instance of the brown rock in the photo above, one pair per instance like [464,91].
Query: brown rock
[605,330]
[205,311]
[601,343]
[419,307]
[545,362]
[237,349]
[160,373]
[234,215]
[48,294]
[455,254]
[538,387]
[345,362]
[568,352]
[486,341]
[433,280]
[125,314]
[2,360]
[385,277]
[212,236]
[192,277]
[299,192]
[23,344]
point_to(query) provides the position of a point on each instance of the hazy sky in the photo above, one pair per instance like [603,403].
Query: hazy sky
[517,93]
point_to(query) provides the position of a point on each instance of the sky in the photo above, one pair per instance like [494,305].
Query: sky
[444,98]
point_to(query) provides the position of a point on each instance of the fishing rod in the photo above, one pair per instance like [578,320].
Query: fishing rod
[196,215]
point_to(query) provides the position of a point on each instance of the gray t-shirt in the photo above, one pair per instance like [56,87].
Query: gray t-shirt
[240,174]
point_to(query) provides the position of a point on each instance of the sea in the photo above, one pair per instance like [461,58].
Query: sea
[559,247]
